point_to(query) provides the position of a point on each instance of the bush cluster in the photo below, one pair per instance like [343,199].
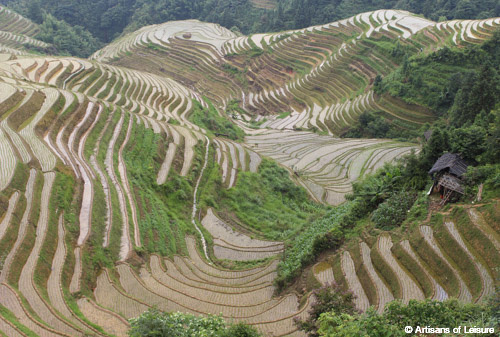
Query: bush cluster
[154,323]
[393,211]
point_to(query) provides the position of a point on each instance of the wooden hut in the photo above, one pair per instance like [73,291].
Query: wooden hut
[447,173]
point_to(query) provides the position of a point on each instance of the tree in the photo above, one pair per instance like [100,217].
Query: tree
[470,142]
[67,39]
[478,93]
[464,9]
[35,11]
[377,83]
[492,154]
[486,89]
[330,298]
[435,147]
[393,211]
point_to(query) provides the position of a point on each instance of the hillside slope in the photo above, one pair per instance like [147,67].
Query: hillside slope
[454,254]
[104,162]
[17,34]
[318,79]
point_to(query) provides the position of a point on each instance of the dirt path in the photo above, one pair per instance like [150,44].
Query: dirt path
[125,246]
[204,267]
[10,300]
[180,269]
[9,329]
[108,296]
[180,273]
[104,181]
[66,157]
[232,245]
[8,162]
[478,221]
[189,142]
[74,285]
[16,140]
[323,273]
[160,279]
[86,174]
[42,153]
[54,282]
[167,163]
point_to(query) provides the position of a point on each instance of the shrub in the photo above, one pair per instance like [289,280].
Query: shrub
[450,313]
[393,211]
[370,324]
[154,323]
[324,242]
[241,330]
[210,119]
[329,298]
[483,174]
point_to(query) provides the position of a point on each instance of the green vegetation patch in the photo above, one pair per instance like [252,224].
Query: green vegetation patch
[164,210]
[284,114]
[393,211]
[24,114]
[363,276]
[476,239]
[267,202]
[8,315]
[397,315]
[437,79]
[438,268]
[465,266]
[211,120]
[414,269]
[322,234]
[156,323]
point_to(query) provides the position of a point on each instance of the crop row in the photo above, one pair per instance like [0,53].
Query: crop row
[436,263]
[326,166]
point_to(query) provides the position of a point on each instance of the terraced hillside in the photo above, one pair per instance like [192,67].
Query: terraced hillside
[316,79]
[290,72]
[327,166]
[102,163]
[68,143]
[455,255]
[17,32]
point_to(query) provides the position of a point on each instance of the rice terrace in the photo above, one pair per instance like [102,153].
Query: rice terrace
[188,167]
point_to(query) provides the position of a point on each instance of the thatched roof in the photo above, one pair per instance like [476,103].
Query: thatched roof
[451,183]
[450,162]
